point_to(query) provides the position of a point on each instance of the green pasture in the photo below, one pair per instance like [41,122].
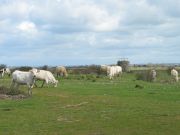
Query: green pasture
[95,105]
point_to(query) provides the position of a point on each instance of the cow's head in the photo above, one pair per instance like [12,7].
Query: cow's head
[34,72]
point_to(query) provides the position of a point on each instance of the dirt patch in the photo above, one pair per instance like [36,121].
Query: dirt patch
[14,97]
[4,96]
[177,117]
[65,119]
[76,105]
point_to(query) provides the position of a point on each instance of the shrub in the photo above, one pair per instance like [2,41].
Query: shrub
[45,67]
[2,66]
[91,76]
[8,91]
[144,75]
[124,64]
[24,68]
[83,76]
[4,90]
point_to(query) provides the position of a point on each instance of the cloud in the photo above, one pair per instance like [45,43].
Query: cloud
[26,26]
[169,7]
[88,31]
[142,14]
[15,10]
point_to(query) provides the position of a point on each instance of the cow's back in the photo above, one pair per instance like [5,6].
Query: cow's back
[22,77]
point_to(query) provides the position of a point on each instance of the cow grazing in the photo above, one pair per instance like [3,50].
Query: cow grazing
[5,71]
[174,74]
[45,76]
[23,78]
[61,71]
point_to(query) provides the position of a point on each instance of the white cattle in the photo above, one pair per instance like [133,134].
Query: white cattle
[61,70]
[153,75]
[2,73]
[5,71]
[23,78]
[174,74]
[8,71]
[104,69]
[113,71]
[45,76]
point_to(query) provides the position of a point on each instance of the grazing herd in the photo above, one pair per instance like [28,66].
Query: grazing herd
[29,77]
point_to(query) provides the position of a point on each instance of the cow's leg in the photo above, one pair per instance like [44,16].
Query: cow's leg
[29,91]
[43,84]
[34,84]
[176,78]
[17,86]
[12,84]
[47,82]
[2,75]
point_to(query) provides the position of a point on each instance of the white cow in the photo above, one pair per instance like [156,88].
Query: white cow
[5,71]
[45,76]
[8,71]
[174,74]
[113,71]
[2,73]
[61,70]
[104,69]
[23,78]
[153,75]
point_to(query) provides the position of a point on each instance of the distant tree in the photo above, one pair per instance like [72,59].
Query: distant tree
[124,64]
[45,67]
[2,66]
[24,68]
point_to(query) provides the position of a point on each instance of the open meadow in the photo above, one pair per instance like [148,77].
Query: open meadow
[95,105]
[106,67]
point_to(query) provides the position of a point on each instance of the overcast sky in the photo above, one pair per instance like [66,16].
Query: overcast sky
[81,32]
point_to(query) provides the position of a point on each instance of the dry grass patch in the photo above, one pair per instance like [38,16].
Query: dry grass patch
[7,93]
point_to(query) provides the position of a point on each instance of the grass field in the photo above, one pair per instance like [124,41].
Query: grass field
[95,106]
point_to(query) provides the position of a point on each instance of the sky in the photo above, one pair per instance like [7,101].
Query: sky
[85,32]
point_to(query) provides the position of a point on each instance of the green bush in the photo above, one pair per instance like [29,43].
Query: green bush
[124,64]
[144,75]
